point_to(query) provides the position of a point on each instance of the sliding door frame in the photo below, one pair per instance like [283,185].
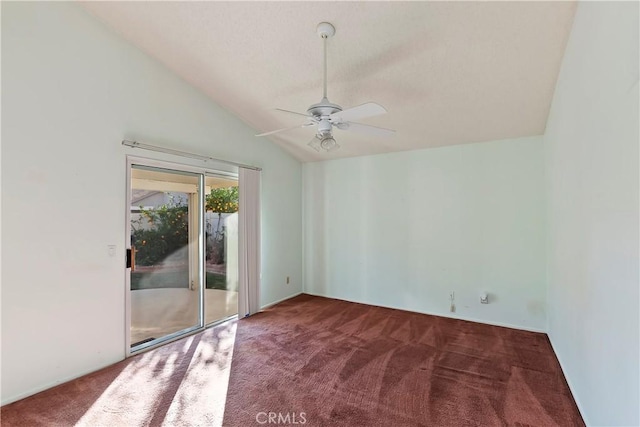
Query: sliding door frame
[178,167]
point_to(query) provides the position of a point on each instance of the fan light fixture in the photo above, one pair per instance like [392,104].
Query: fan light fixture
[326,115]
[328,144]
[324,142]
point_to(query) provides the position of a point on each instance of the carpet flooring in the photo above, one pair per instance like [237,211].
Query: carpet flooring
[322,362]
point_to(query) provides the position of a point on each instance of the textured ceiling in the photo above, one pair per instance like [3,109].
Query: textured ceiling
[447,72]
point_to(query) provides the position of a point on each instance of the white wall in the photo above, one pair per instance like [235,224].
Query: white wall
[592,181]
[71,91]
[405,229]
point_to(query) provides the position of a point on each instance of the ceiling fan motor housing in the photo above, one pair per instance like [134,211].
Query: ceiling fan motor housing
[324,127]
[323,108]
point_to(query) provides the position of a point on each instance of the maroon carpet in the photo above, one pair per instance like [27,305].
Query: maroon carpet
[322,362]
[346,364]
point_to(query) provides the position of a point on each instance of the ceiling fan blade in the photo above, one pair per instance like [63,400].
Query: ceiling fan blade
[293,112]
[366,129]
[285,129]
[369,109]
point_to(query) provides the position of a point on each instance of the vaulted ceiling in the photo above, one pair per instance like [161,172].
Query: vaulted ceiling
[447,72]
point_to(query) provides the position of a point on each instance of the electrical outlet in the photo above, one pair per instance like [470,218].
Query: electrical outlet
[484,298]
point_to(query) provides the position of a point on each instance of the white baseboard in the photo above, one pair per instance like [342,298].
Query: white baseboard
[52,384]
[571,388]
[271,304]
[468,319]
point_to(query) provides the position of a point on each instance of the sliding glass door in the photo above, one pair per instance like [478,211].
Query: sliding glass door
[165,277]
[221,219]
[183,261]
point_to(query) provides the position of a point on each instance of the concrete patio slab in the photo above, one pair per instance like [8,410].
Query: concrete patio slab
[159,312]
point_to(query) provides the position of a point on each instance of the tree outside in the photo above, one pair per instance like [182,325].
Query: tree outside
[220,200]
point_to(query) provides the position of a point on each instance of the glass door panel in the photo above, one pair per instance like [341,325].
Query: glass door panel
[221,222]
[166,277]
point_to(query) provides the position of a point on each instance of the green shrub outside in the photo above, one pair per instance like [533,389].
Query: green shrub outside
[169,230]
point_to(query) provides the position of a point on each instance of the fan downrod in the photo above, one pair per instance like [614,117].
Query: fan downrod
[324,108]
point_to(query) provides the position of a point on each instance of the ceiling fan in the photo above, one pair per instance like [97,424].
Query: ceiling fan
[326,115]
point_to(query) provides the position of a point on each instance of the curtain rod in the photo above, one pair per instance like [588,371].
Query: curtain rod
[136,144]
